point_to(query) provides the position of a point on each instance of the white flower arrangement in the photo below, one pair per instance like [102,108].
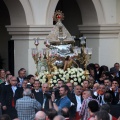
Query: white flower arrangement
[42,77]
[73,75]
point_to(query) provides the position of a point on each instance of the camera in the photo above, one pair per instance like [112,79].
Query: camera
[49,93]
[29,86]
[56,91]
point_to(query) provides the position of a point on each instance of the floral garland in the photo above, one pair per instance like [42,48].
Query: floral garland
[73,75]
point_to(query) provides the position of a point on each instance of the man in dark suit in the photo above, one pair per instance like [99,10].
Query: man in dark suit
[114,109]
[117,66]
[70,86]
[7,82]
[8,100]
[76,99]
[99,95]
[40,95]
[2,85]
[19,91]
[115,92]
[31,79]
[21,76]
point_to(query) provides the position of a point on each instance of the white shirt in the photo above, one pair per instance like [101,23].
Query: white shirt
[102,100]
[14,89]
[21,81]
[79,103]
[37,90]
[6,83]
[44,100]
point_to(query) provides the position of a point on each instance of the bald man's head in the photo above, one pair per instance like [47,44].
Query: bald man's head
[45,87]
[59,117]
[40,116]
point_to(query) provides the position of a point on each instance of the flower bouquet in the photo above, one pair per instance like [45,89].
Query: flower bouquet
[73,75]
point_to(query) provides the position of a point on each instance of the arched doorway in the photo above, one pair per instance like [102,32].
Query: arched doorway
[77,12]
[72,14]
[12,14]
[4,36]
[84,12]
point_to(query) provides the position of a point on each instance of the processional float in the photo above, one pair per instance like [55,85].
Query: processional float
[59,44]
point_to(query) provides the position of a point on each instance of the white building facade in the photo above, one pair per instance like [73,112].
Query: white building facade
[33,18]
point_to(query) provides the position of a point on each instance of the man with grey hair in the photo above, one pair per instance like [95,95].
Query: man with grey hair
[59,117]
[40,115]
[87,96]
[27,106]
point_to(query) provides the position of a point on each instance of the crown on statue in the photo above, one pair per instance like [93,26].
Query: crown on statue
[58,15]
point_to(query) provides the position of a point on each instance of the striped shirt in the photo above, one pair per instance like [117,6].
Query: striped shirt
[84,108]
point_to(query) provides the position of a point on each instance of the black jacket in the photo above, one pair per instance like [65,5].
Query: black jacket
[40,98]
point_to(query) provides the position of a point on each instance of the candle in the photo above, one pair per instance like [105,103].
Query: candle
[90,51]
[36,41]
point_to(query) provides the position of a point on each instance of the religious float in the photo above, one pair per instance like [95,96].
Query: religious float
[60,59]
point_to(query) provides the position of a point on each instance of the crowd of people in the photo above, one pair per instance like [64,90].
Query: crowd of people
[25,98]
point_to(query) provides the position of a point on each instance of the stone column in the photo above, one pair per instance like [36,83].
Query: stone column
[23,43]
[105,41]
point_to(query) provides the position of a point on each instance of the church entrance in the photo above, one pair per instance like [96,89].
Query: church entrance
[6,45]
[72,18]
[72,15]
